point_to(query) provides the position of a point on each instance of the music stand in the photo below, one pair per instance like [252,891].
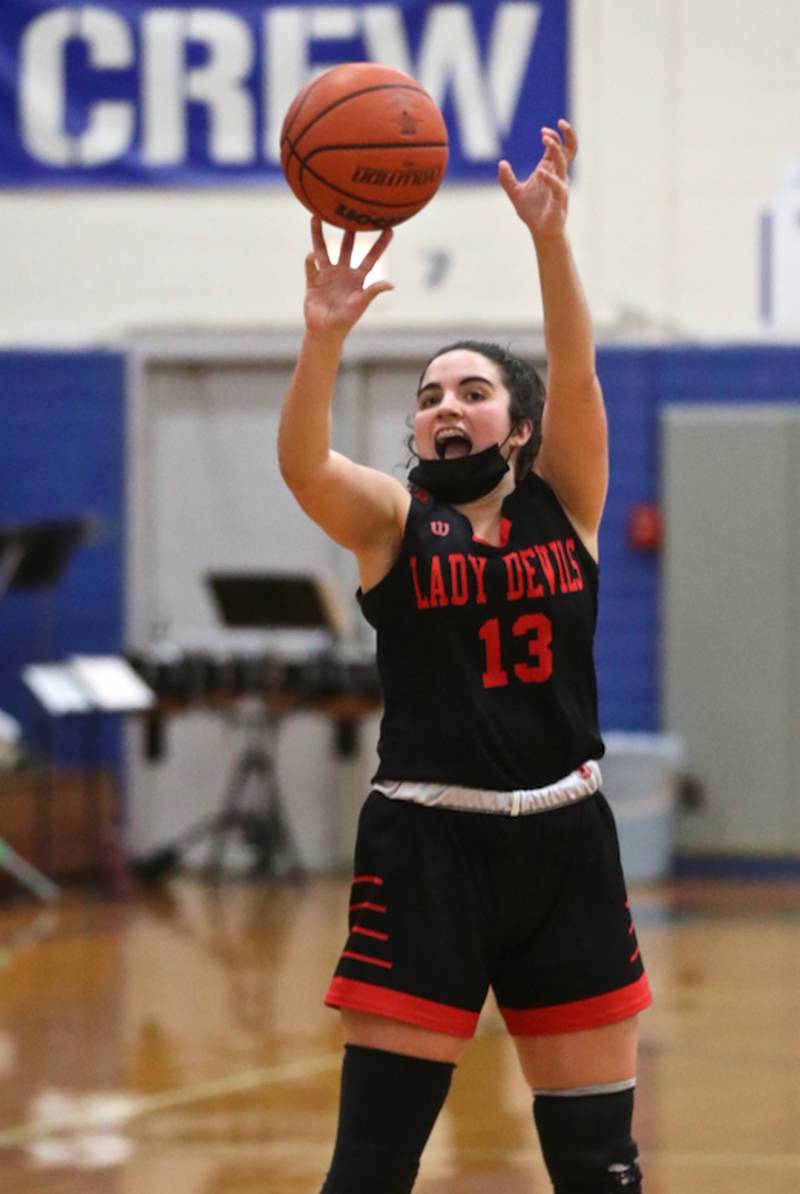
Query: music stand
[251,801]
[276,601]
[35,556]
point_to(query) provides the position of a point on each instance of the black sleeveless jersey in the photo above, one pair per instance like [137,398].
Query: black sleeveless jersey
[485,653]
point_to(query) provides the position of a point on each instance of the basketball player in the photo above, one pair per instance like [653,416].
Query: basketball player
[486,853]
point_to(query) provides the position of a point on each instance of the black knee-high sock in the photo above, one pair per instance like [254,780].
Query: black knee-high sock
[587,1144]
[388,1106]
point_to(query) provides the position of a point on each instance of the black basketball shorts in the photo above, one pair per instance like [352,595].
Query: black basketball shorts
[446,904]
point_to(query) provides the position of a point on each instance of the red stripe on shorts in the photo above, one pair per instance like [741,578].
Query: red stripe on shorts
[368,879]
[348,953]
[581,1013]
[364,997]
[370,933]
[370,907]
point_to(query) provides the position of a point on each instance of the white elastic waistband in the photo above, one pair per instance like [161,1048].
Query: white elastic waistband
[579,784]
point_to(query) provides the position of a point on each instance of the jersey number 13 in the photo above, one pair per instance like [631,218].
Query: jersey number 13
[537,630]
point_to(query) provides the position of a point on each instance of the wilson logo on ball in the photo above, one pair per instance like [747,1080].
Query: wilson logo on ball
[397,178]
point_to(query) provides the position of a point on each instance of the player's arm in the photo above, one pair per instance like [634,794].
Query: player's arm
[573,458]
[355,505]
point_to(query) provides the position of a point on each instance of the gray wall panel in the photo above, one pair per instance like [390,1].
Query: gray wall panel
[793,555]
[729,653]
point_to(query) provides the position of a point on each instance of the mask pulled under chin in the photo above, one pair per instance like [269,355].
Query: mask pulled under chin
[462,479]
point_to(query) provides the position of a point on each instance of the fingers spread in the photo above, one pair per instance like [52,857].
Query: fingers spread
[345,252]
[554,152]
[506,176]
[318,241]
[376,251]
[372,292]
[378,288]
[570,139]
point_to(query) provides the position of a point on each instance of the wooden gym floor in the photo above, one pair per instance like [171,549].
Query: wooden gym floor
[176,1043]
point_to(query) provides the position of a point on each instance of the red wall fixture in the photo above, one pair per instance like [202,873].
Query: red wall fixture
[645,527]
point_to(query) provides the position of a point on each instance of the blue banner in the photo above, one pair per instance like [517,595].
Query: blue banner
[130,93]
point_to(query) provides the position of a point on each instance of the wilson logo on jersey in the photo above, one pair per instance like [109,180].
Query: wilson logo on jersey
[440,528]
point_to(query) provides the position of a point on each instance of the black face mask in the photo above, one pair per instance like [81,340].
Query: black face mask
[463,479]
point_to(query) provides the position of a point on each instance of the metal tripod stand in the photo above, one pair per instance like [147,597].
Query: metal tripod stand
[251,807]
[252,803]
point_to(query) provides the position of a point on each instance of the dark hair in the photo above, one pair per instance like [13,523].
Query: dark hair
[526,390]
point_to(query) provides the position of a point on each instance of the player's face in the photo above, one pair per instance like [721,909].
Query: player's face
[462,407]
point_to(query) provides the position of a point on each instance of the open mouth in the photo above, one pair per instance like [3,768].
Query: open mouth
[452,444]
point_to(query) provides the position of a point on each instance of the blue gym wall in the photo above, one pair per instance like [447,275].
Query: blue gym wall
[637,383]
[62,454]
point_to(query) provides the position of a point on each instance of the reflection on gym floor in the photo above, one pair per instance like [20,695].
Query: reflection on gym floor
[178,1042]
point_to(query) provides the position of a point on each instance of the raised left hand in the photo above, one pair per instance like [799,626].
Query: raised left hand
[541,200]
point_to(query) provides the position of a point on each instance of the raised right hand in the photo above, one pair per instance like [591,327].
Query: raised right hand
[336,297]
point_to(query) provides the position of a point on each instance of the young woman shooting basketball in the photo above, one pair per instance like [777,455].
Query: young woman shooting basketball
[486,854]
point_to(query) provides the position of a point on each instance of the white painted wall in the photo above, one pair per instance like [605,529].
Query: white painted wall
[686,110]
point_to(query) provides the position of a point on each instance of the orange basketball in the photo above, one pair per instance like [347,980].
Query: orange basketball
[364,146]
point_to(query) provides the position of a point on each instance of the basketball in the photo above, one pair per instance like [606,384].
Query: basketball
[363,146]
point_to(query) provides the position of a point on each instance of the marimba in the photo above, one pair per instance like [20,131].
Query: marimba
[259,689]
